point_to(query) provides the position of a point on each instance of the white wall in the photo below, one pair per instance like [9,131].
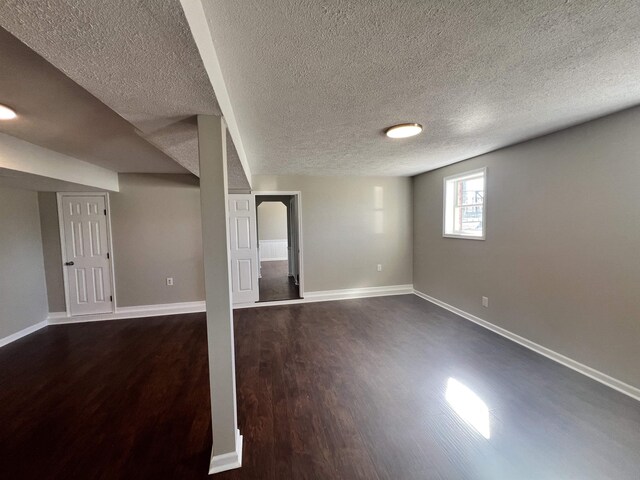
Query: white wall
[272,221]
[561,259]
[349,226]
[272,231]
[23,295]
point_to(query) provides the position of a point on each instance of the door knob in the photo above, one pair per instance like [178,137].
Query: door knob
[68,264]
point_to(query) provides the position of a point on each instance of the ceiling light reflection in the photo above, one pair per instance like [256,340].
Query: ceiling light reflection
[7,113]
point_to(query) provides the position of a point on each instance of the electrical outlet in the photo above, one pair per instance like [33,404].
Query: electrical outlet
[485,302]
[379,267]
[170,281]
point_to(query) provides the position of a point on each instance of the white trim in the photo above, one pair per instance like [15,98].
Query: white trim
[462,176]
[112,253]
[53,317]
[298,195]
[464,237]
[141,311]
[63,247]
[359,292]
[270,247]
[329,295]
[22,333]
[603,378]
[227,461]
[65,275]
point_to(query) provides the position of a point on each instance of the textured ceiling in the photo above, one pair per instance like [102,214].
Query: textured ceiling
[180,140]
[55,113]
[136,56]
[236,178]
[313,84]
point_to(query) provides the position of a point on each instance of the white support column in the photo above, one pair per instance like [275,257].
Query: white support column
[227,441]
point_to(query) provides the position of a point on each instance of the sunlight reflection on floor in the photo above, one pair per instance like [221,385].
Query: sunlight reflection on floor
[468,406]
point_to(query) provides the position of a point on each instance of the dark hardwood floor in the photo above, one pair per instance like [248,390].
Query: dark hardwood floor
[107,400]
[332,390]
[275,283]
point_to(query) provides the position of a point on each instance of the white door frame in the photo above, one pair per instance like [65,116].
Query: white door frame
[298,195]
[59,196]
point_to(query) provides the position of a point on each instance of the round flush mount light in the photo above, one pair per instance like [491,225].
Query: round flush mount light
[7,113]
[403,130]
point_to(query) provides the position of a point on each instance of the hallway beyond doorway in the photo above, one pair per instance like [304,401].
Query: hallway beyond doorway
[276,284]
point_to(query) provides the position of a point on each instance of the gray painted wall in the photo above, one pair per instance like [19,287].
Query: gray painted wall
[52,252]
[272,221]
[349,226]
[23,295]
[561,262]
[156,234]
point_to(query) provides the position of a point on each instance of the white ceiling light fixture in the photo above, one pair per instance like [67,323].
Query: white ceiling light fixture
[403,130]
[7,113]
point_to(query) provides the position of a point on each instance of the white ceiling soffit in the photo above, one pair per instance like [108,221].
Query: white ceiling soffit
[38,183]
[180,140]
[138,57]
[313,84]
[58,114]
[22,157]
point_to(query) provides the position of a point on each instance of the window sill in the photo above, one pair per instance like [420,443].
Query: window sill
[463,237]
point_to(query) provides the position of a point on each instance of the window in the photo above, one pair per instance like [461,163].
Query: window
[464,205]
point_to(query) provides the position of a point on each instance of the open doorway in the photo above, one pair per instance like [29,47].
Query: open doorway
[278,247]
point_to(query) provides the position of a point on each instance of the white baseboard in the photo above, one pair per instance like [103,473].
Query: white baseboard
[140,311]
[22,333]
[227,461]
[364,292]
[329,295]
[54,317]
[603,378]
[59,318]
[277,259]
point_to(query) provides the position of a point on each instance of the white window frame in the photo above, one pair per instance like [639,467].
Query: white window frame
[457,177]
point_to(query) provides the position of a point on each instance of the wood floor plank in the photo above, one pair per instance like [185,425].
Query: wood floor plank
[332,390]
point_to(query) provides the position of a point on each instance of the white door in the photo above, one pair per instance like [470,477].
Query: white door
[243,244]
[86,256]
